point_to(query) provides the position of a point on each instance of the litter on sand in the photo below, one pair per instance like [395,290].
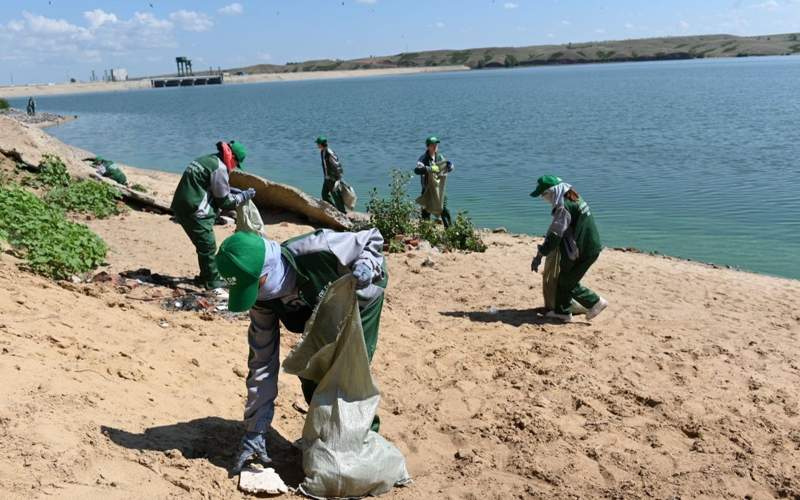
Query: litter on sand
[260,481]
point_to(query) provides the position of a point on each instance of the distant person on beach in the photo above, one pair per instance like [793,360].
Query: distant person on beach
[107,168]
[31,106]
[575,234]
[332,172]
[281,283]
[203,191]
[432,167]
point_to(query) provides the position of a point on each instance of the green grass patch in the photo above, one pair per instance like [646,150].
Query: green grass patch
[41,234]
[138,187]
[4,104]
[52,173]
[87,197]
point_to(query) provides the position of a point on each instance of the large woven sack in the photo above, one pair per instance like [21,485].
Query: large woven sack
[342,457]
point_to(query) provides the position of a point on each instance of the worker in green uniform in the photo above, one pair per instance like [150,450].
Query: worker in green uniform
[432,162]
[203,191]
[107,168]
[573,231]
[282,283]
[332,172]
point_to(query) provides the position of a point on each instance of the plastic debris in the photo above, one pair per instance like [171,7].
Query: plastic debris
[257,481]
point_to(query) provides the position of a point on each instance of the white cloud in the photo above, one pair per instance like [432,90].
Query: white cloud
[600,31]
[550,35]
[629,26]
[41,39]
[439,24]
[190,20]
[234,9]
[684,24]
[510,5]
[367,2]
[770,5]
[264,56]
[99,17]
[565,22]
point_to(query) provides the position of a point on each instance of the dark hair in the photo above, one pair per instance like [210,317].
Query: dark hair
[572,195]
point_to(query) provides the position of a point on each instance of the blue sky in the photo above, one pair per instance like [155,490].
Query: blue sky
[52,40]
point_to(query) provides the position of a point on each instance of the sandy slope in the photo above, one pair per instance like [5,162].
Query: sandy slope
[686,386]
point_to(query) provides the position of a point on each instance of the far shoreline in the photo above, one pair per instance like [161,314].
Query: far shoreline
[39,90]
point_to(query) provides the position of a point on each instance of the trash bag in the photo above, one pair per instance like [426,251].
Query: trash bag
[347,193]
[248,218]
[552,268]
[432,199]
[342,457]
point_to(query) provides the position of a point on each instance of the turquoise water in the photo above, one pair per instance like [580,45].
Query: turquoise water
[697,159]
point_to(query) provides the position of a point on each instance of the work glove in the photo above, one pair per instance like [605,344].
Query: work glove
[363,275]
[435,169]
[536,262]
[244,196]
[253,444]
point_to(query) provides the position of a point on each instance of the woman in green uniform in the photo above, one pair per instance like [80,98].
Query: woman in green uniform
[574,232]
[281,283]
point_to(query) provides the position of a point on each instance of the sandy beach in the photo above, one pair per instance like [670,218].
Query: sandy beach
[685,387]
[86,87]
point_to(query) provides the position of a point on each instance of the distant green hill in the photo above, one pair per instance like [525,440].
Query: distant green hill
[646,49]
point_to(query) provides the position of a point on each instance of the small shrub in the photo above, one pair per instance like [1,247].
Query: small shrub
[4,104]
[393,215]
[52,172]
[511,61]
[397,215]
[88,197]
[461,235]
[138,187]
[41,234]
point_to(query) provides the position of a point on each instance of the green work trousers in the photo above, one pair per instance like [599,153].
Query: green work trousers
[201,232]
[569,283]
[331,196]
[370,323]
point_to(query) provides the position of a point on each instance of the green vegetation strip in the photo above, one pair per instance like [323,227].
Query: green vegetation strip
[51,245]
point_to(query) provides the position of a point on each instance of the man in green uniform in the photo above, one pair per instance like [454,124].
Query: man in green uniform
[332,172]
[573,231]
[282,283]
[107,168]
[204,190]
[432,162]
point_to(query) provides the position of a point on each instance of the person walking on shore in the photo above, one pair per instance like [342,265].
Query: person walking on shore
[203,191]
[432,167]
[332,173]
[31,106]
[574,232]
[283,283]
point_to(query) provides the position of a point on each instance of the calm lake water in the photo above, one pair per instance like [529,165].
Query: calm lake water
[697,159]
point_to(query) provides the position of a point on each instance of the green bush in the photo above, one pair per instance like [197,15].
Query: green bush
[87,197]
[51,245]
[52,172]
[139,188]
[4,104]
[393,215]
[397,216]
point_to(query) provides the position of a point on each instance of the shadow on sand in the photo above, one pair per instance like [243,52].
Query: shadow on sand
[513,317]
[213,438]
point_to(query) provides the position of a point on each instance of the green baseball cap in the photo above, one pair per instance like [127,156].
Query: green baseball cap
[241,258]
[239,151]
[544,183]
[431,140]
[321,140]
